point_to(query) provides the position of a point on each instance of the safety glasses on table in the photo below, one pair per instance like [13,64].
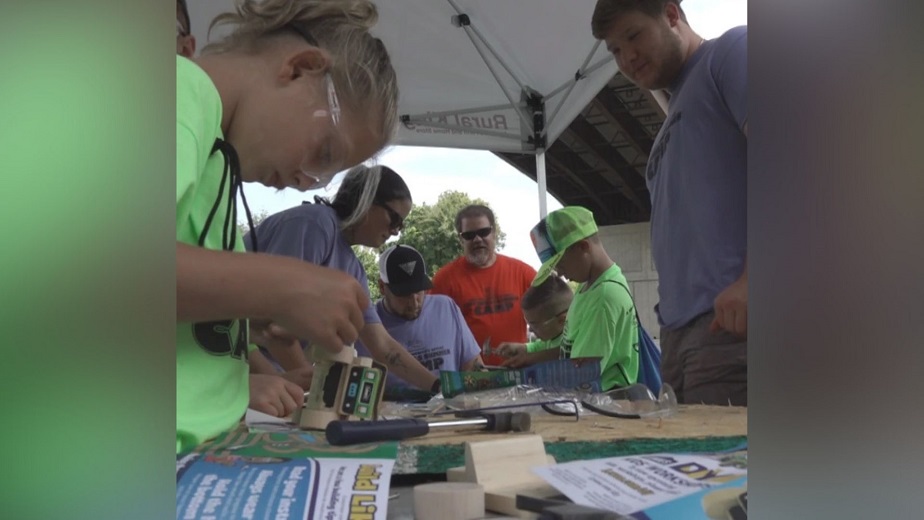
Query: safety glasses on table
[633,402]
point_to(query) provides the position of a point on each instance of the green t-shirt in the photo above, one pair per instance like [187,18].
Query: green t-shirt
[601,323]
[545,344]
[211,358]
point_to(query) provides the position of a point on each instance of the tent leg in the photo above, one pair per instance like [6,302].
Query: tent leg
[540,179]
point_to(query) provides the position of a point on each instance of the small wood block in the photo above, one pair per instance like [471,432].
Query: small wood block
[458,474]
[315,419]
[449,501]
[503,467]
[504,462]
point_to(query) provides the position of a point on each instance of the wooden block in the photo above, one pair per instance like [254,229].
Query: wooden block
[449,501]
[308,419]
[458,474]
[504,462]
[502,503]
[503,467]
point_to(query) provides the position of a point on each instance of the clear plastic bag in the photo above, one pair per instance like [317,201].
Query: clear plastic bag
[631,402]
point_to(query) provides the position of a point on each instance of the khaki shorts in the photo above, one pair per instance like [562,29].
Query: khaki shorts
[705,368]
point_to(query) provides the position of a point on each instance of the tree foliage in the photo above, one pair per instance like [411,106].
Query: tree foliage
[243,227]
[369,257]
[431,229]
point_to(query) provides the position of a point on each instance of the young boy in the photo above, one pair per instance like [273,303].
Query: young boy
[545,308]
[601,319]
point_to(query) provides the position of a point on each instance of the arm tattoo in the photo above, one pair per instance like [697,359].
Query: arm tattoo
[393,360]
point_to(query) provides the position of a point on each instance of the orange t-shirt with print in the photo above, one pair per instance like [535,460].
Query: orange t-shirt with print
[489,298]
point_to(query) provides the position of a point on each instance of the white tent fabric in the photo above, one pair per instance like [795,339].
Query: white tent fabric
[498,75]
[472,77]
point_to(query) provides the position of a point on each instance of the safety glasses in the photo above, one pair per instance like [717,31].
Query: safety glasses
[333,108]
[534,325]
[633,402]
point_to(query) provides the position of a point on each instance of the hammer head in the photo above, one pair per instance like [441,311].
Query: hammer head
[508,422]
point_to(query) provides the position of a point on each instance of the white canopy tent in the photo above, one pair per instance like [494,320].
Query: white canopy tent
[496,75]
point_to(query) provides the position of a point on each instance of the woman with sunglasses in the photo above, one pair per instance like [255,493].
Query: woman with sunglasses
[292,93]
[369,208]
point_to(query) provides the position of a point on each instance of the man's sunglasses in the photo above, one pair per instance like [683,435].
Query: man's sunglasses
[395,221]
[470,235]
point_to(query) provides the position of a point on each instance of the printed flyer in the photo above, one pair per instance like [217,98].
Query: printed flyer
[652,487]
[279,476]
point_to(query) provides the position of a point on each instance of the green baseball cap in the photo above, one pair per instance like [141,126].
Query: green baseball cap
[558,231]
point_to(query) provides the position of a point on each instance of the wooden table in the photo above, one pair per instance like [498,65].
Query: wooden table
[693,428]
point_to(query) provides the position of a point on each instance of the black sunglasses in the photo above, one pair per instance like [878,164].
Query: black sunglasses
[470,235]
[395,221]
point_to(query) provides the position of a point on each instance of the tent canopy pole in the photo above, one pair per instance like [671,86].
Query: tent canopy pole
[540,180]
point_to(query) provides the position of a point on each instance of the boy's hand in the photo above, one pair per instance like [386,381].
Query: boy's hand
[274,395]
[523,358]
[515,353]
[508,349]
[519,360]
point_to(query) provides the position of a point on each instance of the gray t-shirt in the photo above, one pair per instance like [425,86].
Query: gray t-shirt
[312,232]
[697,176]
[439,338]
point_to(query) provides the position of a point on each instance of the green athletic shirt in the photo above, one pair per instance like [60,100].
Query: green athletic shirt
[211,358]
[601,323]
[545,344]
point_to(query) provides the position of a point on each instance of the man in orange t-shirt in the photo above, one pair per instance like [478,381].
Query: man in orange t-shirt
[485,285]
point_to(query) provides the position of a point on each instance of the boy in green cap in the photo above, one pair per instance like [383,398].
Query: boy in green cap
[601,319]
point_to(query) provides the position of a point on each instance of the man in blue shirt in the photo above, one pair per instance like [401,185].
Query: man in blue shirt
[697,177]
[429,326]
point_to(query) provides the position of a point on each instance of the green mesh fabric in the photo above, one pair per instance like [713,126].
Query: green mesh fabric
[569,225]
[561,228]
[437,459]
